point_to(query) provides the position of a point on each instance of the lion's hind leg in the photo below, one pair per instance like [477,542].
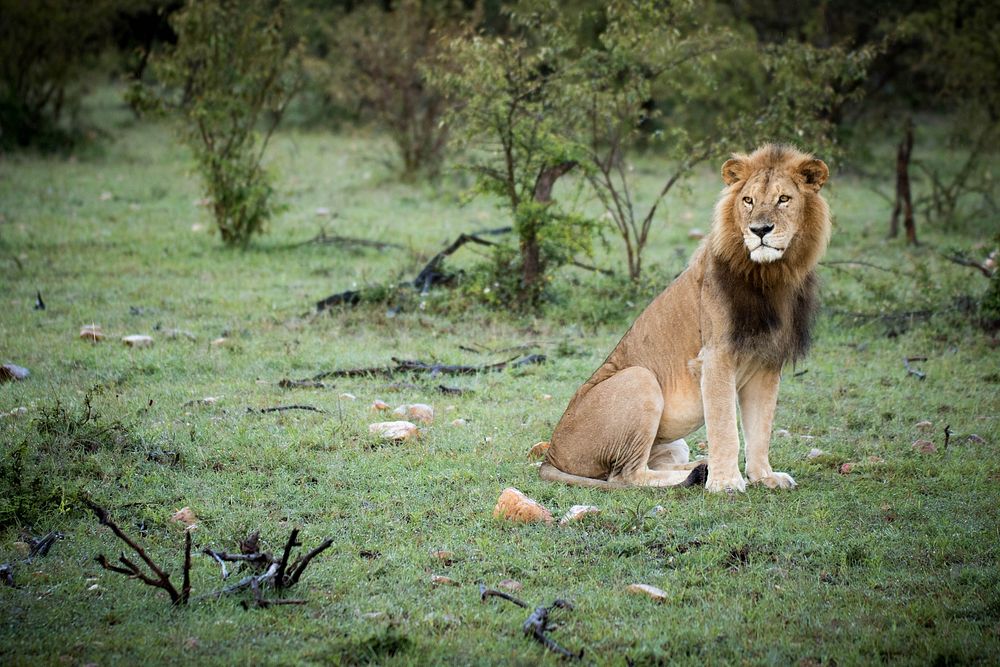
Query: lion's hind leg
[673,455]
[610,432]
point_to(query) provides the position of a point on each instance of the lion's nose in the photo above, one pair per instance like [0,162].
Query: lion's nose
[761,230]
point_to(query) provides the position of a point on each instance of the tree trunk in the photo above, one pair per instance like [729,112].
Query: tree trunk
[904,203]
[531,259]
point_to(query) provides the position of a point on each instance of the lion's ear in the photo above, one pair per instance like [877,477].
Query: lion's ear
[814,173]
[733,171]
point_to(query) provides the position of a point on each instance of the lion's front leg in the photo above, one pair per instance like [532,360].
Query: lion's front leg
[758,398]
[718,395]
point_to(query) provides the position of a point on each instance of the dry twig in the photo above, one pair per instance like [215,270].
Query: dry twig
[913,371]
[415,366]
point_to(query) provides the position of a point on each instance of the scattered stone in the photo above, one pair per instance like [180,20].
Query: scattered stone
[373,615]
[656,511]
[846,468]
[397,430]
[459,422]
[924,446]
[348,396]
[15,413]
[815,452]
[378,406]
[924,425]
[656,594]
[440,580]
[782,433]
[13,372]
[184,516]
[221,341]
[577,513]
[421,412]
[92,332]
[450,408]
[546,397]
[696,234]
[515,506]
[173,334]
[511,585]
[443,555]
[322,212]
[538,450]
[137,341]
[106,196]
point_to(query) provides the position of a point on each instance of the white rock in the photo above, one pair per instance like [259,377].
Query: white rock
[397,430]
[577,513]
[650,591]
[137,341]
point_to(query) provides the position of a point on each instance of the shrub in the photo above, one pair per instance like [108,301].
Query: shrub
[230,70]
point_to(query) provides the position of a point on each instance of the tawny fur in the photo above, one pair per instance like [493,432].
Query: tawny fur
[714,338]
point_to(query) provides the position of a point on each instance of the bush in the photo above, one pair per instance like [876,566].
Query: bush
[230,70]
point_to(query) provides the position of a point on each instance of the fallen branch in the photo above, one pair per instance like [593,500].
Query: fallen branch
[39,546]
[453,391]
[283,408]
[913,371]
[7,574]
[412,366]
[965,261]
[538,625]
[160,579]
[301,384]
[492,592]
[336,239]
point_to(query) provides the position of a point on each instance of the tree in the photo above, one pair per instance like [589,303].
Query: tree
[230,71]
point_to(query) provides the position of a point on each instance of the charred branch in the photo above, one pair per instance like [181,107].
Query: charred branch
[408,366]
[913,371]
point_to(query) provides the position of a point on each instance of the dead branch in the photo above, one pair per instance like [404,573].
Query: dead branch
[300,564]
[161,578]
[345,241]
[186,585]
[413,366]
[279,576]
[947,437]
[538,625]
[965,261]
[40,545]
[219,560]
[492,592]
[301,384]
[834,264]
[432,274]
[453,391]
[913,371]
[283,408]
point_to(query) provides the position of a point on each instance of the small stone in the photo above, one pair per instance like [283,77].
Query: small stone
[924,425]
[515,506]
[17,412]
[443,555]
[93,587]
[373,615]
[92,332]
[184,516]
[656,594]
[197,227]
[191,643]
[11,372]
[782,433]
[458,422]
[511,585]
[322,212]
[137,341]
[421,412]
[179,333]
[577,513]
[106,196]
[924,446]
[696,234]
[221,341]
[846,468]
[401,411]
[441,580]
[348,396]
[546,397]
[538,450]
[397,430]
[378,406]
[814,453]
[656,511]
[450,408]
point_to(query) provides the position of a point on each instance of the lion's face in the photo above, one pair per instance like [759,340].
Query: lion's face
[770,202]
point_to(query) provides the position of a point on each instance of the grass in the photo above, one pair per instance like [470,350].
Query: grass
[895,562]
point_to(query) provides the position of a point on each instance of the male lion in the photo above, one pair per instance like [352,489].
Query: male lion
[718,334]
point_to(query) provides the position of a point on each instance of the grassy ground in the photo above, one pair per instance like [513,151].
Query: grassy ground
[894,562]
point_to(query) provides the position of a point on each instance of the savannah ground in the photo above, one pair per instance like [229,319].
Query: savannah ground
[894,562]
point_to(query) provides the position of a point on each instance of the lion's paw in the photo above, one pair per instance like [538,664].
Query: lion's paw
[775,480]
[728,483]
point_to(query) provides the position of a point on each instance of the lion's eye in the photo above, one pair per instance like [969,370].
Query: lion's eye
[783,198]
[748,200]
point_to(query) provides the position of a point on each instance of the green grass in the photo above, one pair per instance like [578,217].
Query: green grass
[896,562]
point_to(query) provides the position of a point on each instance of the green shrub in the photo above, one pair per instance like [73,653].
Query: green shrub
[230,71]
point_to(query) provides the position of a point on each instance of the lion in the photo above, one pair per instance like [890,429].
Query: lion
[716,337]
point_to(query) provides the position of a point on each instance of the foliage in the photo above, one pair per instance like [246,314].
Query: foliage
[513,118]
[44,48]
[376,63]
[230,70]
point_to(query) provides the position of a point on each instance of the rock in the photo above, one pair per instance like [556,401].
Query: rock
[12,372]
[538,450]
[92,332]
[184,516]
[577,513]
[322,212]
[656,511]
[814,453]
[397,430]
[924,446]
[348,396]
[15,413]
[515,506]
[421,412]
[440,580]
[401,411]
[846,468]
[546,397]
[173,334]
[137,341]
[511,585]
[656,594]
[378,406]
[106,196]
[221,341]
[971,438]
[782,433]
[459,422]
[924,425]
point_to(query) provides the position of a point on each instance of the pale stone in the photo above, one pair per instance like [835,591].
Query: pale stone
[515,506]
[397,430]
[577,513]
[652,592]
[137,340]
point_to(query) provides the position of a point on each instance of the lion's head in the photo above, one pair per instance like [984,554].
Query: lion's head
[771,219]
